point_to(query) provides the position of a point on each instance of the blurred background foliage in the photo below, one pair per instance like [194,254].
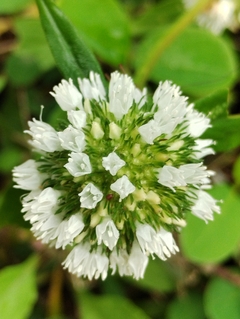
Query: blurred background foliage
[203,280]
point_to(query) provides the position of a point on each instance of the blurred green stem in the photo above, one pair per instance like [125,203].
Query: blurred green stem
[153,56]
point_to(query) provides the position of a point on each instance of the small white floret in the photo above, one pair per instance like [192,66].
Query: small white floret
[90,196]
[205,206]
[112,163]
[92,88]
[123,187]
[27,176]
[107,233]
[72,139]
[78,164]
[121,94]
[171,177]
[67,95]
[77,118]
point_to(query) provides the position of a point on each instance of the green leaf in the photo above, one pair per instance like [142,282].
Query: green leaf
[215,241]
[18,291]
[159,276]
[10,208]
[99,307]
[3,82]
[189,306]
[198,61]
[236,171]
[222,300]
[73,58]
[32,44]
[8,7]
[28,70]
[156,14]
[225,132]
[214,105]
[103,26]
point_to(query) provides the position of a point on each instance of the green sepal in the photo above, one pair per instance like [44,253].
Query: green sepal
[72,56]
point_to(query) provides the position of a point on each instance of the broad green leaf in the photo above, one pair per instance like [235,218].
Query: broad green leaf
[108,307]
[73,58]
[103,25]
[214,105]
[10,208]
[18,291]
[27,70]
[159,276]
[198,61]
[225,132]
[236,171]
[32,44]
[215,241]
[156,14]
[222,300]
[9,157]
[3,81]
[8,7]
[190,306]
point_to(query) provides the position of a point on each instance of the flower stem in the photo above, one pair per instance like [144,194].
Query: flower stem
[159,47]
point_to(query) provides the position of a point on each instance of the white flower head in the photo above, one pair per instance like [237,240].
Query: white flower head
[90,196]
[123,187]
[217,17]
[92,88]
[121,90]
[171,177]
[67,96]
[72,139]
[78,164]
[205,206]
[112,163]
[107,233]
[44,136]
[77,118]
[27,176]
[122,170]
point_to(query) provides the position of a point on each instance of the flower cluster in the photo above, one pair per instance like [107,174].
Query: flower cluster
[217,17]
[119,176]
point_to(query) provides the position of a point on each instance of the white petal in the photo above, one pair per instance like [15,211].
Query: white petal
[72,139]
[112,163]
[121,92]
[93,88]
[194,173]
[107,233]
[197,122]
[202,148]
[67,96]
[205,206]
[170,176]
[150,131]
[27,176]
[78,164]
[123,187]
[77,118]
[90,196]
[44,136]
